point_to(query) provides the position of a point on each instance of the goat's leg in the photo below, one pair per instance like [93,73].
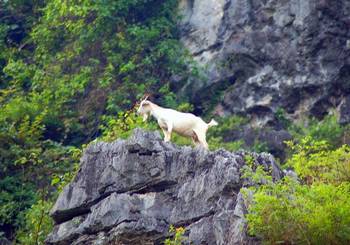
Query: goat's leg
[166,135]
[195,142]
[204,143]
[202,139]
[195,139]
[168,132]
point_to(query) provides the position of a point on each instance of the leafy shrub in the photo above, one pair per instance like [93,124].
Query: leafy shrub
[315,210]
[227,124]
[15,196]
[217,143]
[38,224]
[123,125]
[327,129]
[178,237]
[259,146]
[315,161]
[288,212]
[216,135]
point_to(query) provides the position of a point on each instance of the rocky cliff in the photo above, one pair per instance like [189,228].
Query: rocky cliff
[130,191]
[263,55]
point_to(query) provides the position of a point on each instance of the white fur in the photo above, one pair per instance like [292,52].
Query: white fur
[169,120]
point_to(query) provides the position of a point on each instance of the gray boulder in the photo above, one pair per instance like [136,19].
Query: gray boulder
[131,191]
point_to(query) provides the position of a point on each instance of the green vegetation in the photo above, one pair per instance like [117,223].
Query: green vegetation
[70,73]
[37,225]
[216,135]
[178,237]
[327,129]
[312,210]
[68,69]
[314,161]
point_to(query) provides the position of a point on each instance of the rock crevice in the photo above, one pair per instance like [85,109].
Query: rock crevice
[122,197]
[295,52]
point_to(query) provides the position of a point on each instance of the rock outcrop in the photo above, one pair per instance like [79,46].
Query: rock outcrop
[269,54]
[130,191]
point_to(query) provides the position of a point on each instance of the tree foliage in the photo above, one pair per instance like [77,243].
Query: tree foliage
[67,71]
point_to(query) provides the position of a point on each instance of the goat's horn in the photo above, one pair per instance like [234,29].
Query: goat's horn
[145,96]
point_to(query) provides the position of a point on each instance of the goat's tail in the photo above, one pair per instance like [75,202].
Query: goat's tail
[212,123]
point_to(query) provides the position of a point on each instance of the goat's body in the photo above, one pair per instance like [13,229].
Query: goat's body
[185,124]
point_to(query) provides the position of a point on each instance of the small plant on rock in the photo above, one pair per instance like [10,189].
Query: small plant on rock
[178,236]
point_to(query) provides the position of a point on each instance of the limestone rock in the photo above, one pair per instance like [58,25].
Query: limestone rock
[266,55]
[130,191]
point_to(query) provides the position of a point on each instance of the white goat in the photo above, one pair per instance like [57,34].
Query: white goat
[169,120]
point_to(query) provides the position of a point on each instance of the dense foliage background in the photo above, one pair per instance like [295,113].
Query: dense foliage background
[71,71]
[67,69]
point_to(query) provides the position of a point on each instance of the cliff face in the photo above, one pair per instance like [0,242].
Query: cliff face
[129,192]
[269,54]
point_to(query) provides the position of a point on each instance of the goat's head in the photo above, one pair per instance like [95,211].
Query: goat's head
[144,108]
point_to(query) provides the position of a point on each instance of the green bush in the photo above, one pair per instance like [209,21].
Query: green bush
[315,161]
[38,224]
[314,210]
[259,146]
[288,212]
[327,129]
[216,135]
[15,197]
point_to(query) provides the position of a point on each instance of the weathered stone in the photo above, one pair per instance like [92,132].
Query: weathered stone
[345,110]
[130,191]
[266,55]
